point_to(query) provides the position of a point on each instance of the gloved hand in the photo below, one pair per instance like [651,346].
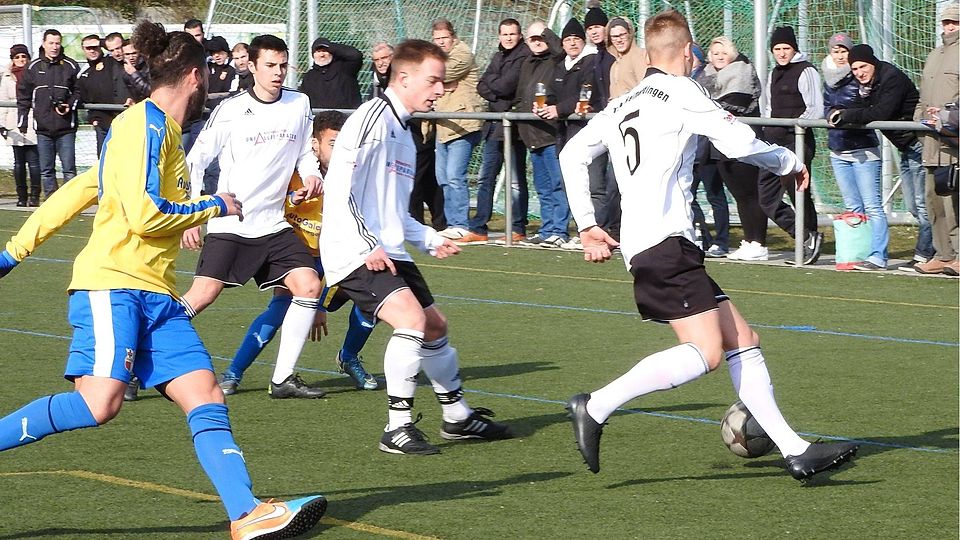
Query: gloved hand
[7,262]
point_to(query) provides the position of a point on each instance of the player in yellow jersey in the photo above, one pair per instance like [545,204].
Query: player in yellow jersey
[305,217]
[123,305]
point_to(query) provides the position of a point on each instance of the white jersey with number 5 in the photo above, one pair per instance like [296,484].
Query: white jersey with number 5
[651,134]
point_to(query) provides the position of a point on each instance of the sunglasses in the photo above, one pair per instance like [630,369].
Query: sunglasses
[91,48]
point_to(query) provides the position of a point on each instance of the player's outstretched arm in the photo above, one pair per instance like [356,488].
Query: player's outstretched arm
[59,209]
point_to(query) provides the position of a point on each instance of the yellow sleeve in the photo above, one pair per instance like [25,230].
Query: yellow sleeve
[142,173]
[59,209]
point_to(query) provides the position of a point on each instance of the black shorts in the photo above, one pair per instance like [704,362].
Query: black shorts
[233,259]
[670,282]
[369,289]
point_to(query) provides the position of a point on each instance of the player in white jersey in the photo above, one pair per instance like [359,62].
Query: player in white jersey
[260,137]
[651,133]
[366,221]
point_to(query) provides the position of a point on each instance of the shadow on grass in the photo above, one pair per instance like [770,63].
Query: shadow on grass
[505,370]
[365,500]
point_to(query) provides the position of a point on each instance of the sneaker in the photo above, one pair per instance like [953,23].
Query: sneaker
[552,241]
[952,268]
[715,252]
[867,266]
[354,368]
[812,247]
[22,204]
[454,233]
[228,383]
[133,388]
[33,202]
[517,237]
[532,240]
[911,266]
[407,439]
[933,266]
[749,251]
[476,426]
[820,457]
[471,238]
[586,431]
[294,387]
[574,244]
[279,519]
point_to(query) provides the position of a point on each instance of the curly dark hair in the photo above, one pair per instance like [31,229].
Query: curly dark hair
[170,55]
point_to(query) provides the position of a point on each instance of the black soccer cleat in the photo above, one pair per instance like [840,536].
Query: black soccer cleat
[294,387]
[820,457]
[407,439]
[476,426]
[586,430]
[132,391]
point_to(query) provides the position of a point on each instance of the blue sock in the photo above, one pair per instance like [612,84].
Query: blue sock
[358,332]
[45,416]
[221,459]
[260,333]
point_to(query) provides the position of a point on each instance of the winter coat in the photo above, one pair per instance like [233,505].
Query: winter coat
[8,115]
[335,86]
[379,82]
[46,83]
[498,84]
[221,80]
[243,81]
[938,87]
[601,74]
[138,82]
[627,69]
[102,82]
[461,69]
[892,97]
[736,87]
[538,69]
[567,84]
[841,91]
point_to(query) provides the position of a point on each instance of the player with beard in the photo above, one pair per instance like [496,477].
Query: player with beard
[260,137]
[365,224]
[124,306]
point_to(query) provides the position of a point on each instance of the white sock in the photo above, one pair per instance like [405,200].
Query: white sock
[296,327]
[751,380]
[659,371]
[442,367]
[401,364]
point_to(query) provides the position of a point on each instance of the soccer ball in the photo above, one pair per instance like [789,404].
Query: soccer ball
[742,434]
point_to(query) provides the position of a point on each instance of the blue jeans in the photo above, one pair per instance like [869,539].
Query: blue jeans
[49,148]
[489,169]
[914,196]
[554,208]
[859,184]
[452,160]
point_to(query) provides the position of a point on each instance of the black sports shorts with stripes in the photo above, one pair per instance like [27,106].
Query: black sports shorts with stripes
[670,281]
[369,289]
[233,259]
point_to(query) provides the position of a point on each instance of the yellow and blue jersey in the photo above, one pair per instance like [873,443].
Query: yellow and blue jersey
[304,217]
[141,186]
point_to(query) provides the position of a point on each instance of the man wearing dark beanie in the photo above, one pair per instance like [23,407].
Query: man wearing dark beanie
[793,90]
[887,93]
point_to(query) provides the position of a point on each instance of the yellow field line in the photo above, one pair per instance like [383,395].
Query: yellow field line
[744,291]
[187,494]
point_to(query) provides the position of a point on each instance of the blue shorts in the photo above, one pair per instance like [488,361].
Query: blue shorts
[124,332]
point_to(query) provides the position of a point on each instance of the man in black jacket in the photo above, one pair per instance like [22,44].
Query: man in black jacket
[48,86]
[101,82]
[332,81]
[136,73]
[535,87]
[498,85]
[887,93]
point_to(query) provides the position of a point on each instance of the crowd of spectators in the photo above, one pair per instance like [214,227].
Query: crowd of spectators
[560,78]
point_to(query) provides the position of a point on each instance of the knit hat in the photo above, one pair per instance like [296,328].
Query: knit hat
[19,48]
[698,52]
[783,35]
[594,17]
[621,22]
[950,13]
[862,53]
[320,43]
[573,28]
[840,39]
[216,44]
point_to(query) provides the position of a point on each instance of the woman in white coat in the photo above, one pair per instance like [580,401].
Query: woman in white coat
[25,155]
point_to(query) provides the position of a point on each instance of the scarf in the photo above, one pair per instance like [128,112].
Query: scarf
[17,72]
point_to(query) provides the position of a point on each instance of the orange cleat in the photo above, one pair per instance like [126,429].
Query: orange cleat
[273,520]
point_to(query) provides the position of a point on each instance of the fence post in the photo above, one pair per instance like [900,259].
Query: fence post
[508,181]
[798,201]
